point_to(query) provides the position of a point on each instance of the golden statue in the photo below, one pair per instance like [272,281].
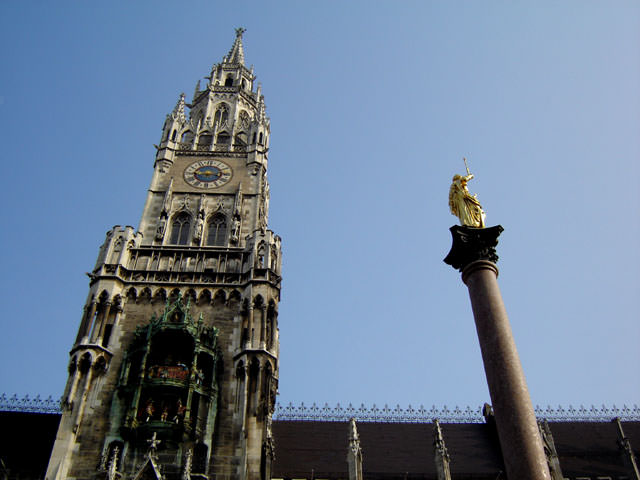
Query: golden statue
[464,205]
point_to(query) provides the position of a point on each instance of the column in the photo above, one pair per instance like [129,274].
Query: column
[473,253]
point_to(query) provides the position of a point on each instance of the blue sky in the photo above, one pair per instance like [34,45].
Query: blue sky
[372,106]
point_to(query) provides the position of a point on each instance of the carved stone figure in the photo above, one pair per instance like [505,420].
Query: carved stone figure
[197,233]
[235,229]
[464,205]
[161,227]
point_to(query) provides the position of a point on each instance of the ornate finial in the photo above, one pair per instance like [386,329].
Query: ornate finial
[240,31]
[464,205]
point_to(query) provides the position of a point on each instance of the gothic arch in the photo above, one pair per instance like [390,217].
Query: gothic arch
[205,297]
[175,293]
[145,295]
[160,296]
[132,294]
[221,116]
[258,301]
[219,298]
[187,136]
[234,299]
[100,365]
[272,315]
[205,139]
[85,363]
[217,228]
[190,296]
[181,228]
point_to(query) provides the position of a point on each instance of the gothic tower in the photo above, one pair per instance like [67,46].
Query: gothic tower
[174,370]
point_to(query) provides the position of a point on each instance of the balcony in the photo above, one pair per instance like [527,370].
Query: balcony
[177,375]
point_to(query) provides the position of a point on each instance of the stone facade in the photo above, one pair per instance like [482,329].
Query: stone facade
[178,344]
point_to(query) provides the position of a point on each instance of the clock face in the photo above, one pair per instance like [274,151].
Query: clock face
[208,174]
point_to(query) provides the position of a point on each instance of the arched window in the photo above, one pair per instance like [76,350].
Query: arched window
[229,81]
[223,138]
[205,140]
[217,231]
[180,229]
[260,139]
[222,115]
[173,136]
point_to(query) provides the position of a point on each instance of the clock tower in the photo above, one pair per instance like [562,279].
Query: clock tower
[174,370]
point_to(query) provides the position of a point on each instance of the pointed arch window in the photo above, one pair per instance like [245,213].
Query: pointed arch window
[217,231]
[222,115]
[205,140]
[180,229]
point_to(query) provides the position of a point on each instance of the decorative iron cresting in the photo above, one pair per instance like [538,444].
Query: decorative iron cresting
[421,414]
[29,404]
[363,413]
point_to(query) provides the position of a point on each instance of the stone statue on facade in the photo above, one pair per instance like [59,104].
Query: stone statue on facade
[463,204]
[197,233]
[161,227]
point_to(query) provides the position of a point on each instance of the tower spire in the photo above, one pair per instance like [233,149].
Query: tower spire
[178,110]
[236,54]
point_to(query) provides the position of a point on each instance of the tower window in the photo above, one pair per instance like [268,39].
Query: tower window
[228,82]
[173,136]
[260,139]
[180,230]
[222,115]
[205,140]
[217,231]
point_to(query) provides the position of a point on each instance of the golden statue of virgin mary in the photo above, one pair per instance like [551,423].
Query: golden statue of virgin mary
[464,205]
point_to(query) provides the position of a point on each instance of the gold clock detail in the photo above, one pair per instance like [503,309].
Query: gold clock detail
[208,174]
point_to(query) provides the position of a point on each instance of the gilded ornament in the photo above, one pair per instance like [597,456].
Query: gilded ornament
[463,204]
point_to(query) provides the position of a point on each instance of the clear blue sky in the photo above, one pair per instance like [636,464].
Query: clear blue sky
[372,105]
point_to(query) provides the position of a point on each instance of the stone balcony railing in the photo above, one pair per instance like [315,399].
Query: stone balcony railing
[189,265]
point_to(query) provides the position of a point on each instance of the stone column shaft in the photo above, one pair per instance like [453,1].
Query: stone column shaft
[473,253]
[520,440]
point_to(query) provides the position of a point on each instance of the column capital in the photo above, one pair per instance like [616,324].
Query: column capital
[472,244]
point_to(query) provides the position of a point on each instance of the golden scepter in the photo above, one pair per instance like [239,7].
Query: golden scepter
[466,166]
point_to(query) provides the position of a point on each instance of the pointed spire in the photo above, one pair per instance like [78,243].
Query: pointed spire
[236,54]
[354,454]
[442,458]
[196,91]
[178,110]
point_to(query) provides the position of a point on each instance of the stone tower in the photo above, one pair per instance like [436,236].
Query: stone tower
[174,370]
